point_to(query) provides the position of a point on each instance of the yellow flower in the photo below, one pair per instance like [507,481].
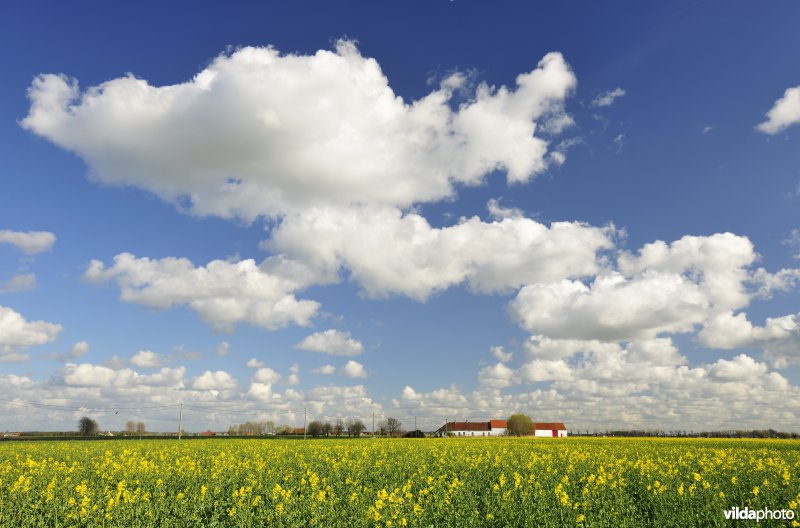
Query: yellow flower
[755,491]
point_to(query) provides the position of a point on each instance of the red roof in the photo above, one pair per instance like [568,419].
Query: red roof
[497,424]
[467,426]
[549,426]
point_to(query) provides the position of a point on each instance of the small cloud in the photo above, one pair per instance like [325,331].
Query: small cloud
[325,369]
[223,349]
[267,376]
[19,283]
[148,359]
[189,355]
[254,363]
[334,342]
[793,241]
[78,349]
[353,369]
[14,357]
[783,114]
[607,98]
[498,212]
[619,141]
[709,128]
[29,242]
[501,355]
[294,377]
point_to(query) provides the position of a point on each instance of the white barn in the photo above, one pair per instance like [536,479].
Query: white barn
[549,430]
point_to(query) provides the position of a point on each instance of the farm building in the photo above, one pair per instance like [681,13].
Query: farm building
[549,429]
[477,429]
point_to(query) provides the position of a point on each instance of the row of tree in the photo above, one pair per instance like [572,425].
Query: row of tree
[317,428]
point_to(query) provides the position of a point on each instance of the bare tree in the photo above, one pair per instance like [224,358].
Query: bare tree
[338,427]
[87,426]
[130,427]
[327,428]
[140,429]
[383,427]
[394,427]
[355,427]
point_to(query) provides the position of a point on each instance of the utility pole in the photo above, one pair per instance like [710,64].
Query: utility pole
[415,423]
[304,423]
[373,424]
[180,421]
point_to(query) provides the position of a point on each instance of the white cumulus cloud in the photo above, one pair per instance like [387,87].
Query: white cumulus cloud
[784,113]
[218,380]
[334,342]
[353,369]
[260,133]
[147,359]
[388,252]
[222,293]
[16,332]
[29,242]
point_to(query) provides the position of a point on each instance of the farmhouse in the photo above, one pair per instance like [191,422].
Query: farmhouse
[490,428]
[499,428]
[549,429]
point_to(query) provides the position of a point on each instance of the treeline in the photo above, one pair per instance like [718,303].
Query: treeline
[352,427]
[739,433]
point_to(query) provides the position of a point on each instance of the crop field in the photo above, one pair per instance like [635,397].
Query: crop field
[427,482]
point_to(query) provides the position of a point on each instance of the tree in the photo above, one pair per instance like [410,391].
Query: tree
[383,427]
[140,429]
[414,434]
[327,428]
[394,427]
[338,427]
[355,427]
[315,428]
[520,425]
[130,427]
[87,426]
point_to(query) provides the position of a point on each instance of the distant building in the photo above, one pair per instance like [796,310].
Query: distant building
[499,428]
[208,433]
[473,429]
[549,429]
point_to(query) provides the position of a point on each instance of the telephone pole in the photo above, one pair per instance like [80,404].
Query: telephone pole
[180,421]
[304,423]
[415,423]
[373,424]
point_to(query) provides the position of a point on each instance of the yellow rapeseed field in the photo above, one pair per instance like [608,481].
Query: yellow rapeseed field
[416,482]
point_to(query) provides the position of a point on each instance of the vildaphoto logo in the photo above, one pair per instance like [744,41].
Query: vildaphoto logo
[746,514]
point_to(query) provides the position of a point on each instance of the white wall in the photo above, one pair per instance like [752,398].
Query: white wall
[548,433]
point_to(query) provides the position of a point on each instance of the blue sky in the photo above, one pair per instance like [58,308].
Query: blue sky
[444,209]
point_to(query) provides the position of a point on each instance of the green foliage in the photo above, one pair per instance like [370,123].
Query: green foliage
[520,425]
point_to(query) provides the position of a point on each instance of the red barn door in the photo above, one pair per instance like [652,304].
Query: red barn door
[555,433]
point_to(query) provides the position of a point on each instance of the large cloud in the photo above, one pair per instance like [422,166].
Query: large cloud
[779,338]
[665,288]
[16,332]
[784,113]
[260,133]
[29,242]
[222,293]
[388,252]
